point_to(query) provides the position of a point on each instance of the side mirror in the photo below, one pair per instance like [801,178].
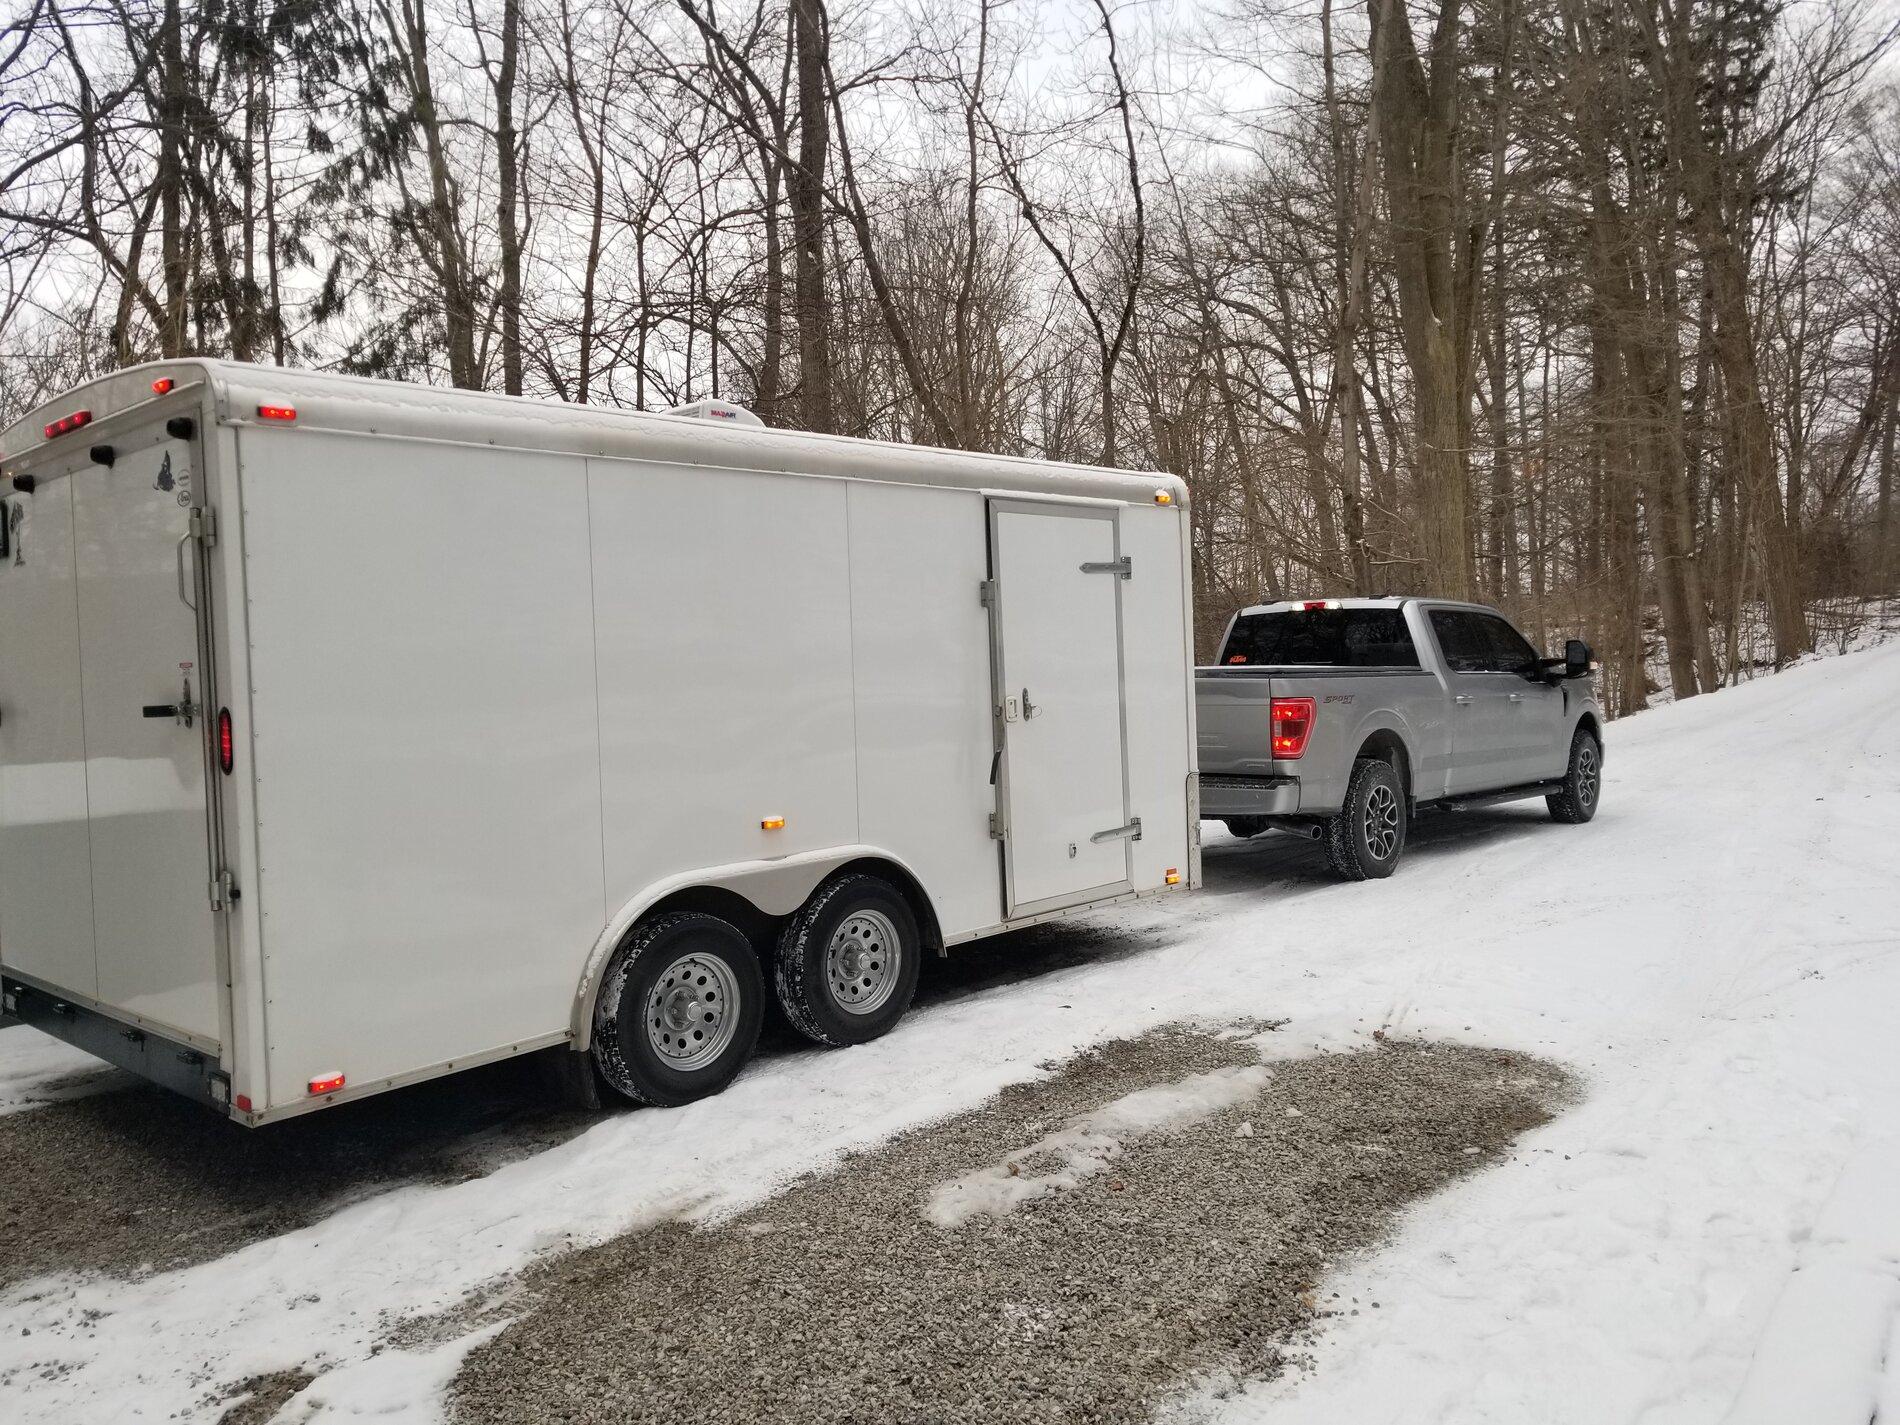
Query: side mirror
[1577,658]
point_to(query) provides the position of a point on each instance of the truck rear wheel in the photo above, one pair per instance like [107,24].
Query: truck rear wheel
[1364,840]
[848,961]
[1583,781]
[680,1009]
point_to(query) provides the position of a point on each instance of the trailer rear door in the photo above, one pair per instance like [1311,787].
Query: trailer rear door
[1059,663]
[130,579]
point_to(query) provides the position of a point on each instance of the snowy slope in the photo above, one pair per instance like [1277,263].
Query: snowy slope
[1710,1235]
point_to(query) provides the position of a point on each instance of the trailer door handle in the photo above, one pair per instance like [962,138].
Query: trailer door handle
[1130,832]
[161,710]
[183,597]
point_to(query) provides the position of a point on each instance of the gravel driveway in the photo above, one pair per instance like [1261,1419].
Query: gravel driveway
[1141,1262]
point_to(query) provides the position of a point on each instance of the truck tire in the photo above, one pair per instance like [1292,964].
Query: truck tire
[1364,840]
[679,1010]
[848,961]
[1583,781]
[1245,826]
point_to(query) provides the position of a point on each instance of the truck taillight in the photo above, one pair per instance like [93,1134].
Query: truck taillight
[1292,723]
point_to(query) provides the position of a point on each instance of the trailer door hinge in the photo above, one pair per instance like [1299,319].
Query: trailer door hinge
[986,593]
[204,525]
[996,827]
[224,891]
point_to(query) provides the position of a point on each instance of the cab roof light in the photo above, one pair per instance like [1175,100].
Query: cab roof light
[161,386]
[65,425]
[277,413]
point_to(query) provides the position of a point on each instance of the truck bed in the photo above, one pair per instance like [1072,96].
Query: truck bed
[1240,775]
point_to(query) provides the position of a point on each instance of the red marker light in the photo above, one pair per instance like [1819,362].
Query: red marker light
[243,1101]
[161,386]
[67,424]
[277,413]
[329,1083]
[1291,722]
[226,748]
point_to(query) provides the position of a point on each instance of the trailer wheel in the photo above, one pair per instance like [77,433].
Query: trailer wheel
[679,1010]
[848,961]
[1365,838]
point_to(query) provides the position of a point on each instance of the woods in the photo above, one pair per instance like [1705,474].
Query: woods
[1588,308]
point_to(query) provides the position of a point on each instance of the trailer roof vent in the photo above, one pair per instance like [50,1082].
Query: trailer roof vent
[724,412]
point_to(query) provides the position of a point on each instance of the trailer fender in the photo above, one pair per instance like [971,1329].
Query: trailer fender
[773,889]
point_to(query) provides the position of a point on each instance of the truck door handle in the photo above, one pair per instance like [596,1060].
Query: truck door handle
[1462,699]
[1517,697]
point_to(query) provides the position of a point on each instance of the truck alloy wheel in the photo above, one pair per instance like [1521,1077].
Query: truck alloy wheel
[1583,781]
[680,1009]
[1365,839]
[848,961]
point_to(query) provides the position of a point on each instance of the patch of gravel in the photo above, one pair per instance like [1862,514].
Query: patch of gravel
[143,1180]
[1197,1252]
[260,1398]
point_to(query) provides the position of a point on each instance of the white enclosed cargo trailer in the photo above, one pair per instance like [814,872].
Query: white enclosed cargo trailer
[354,732]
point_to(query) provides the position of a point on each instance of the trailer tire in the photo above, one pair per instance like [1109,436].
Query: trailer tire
[848,961]
[679,1009]
[1365,839]
[1583,781]
[1245,826]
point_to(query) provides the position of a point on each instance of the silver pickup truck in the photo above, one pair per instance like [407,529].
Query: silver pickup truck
[1339,719]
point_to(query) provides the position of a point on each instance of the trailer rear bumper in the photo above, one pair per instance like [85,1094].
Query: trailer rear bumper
[166,1062]
[1223,796]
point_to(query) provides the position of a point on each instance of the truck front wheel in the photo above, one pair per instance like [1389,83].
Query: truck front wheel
[679,1010]
[1365,838]
[1583,781]
[848,962]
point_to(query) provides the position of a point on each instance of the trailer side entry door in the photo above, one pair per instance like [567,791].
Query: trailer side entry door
[1063,784]
[113,721]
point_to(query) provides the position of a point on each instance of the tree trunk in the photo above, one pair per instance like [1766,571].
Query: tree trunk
[1420,161]
[805,187]
[507,201]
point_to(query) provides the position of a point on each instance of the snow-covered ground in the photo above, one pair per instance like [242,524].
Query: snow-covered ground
[1712,1234]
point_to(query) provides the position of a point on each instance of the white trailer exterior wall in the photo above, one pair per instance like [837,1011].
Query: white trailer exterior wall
[506,675]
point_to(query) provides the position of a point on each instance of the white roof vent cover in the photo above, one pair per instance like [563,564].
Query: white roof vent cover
[724,411]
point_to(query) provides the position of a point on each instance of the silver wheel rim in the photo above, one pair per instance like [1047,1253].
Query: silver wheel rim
[693,1011]
[862,962]
[1588,775]
[1382,821]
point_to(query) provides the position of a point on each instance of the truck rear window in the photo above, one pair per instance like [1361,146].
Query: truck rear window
[1321,638]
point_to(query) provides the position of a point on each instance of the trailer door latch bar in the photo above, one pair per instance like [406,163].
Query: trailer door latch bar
[1130,832]
[1122,568]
